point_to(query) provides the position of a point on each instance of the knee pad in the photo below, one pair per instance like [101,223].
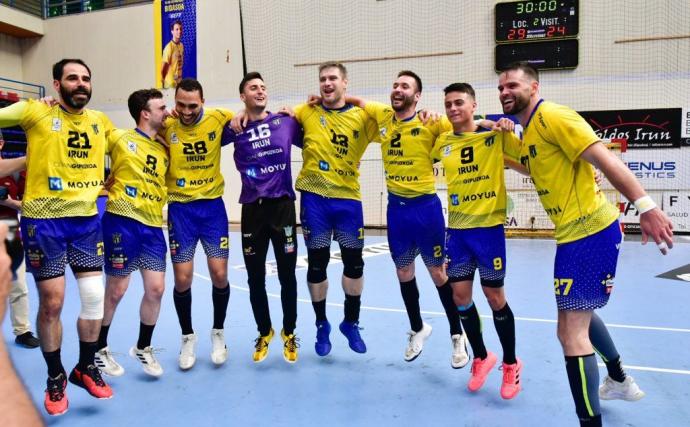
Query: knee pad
[91,292]
[318,262]
[353,264]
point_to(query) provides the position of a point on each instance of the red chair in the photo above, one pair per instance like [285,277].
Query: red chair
[13,96]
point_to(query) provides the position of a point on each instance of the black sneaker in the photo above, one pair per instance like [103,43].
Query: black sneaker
[28,340]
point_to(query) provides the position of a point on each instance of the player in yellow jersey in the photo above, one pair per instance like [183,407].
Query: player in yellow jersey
[472,158]
[196,211]
[414,213]
[336,134]
[173,57]
[557,148]
[66,146]
[133,237]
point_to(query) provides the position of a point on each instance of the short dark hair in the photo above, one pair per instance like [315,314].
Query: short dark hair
[59,67]
[414,75]
[138,101]
[338,65]
[460,87]
[176,22]
[249,76]
[526,68]
[190,85]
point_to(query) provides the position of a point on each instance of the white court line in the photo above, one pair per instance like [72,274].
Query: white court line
[527,319]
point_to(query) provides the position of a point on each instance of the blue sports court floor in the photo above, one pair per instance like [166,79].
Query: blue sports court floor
[647,317]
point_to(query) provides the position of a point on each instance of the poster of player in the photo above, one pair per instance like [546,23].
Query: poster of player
[175,41]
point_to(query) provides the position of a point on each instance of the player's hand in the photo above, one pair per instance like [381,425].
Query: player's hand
[655,224]
[598,177]
[48,100]
[429,116]
[173,113]
[313,100]
[160,138]
[109,182]
[5,273]
[239,122]
[287,111]
[502,125]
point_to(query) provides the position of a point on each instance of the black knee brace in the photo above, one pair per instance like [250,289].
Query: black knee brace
[353,264]
[318,262]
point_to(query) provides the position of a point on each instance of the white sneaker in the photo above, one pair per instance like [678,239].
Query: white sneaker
[187,355]
[219,351]
[104,360]
[460,357]
[147,360]
[627,390]
[416,342]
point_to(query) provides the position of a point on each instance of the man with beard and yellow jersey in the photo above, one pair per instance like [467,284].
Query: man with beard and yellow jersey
[66,145]
[414,214]
[473,160]
[196,212]
[133,237]
[336,134]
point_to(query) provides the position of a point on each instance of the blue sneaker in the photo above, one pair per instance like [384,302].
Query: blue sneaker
[323,344]
[351,331]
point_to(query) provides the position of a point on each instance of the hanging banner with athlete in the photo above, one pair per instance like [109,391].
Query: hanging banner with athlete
[174,41]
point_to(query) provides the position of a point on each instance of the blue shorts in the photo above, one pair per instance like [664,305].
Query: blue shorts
[416,225]
[131,245]
[483,248]
[585,269]
[50,244]
[204,220]
[324,218]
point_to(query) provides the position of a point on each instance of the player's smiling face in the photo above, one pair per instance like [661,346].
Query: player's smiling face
[404,94]
[188,105]
[177,33]
[74,85]
[332,86]
[515,89]
[254,94]
[157,113]
[460,107]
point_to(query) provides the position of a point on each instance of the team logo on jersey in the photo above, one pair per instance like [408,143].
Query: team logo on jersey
[31,230]
[288,231]
[212,136]
[276,121]
[173,138]
[132,146]
[355,134]
[608,282]
[533,151]
[117,238]
[131,191]
[383,132]
[323,165]
[490,141]
[180,182]
[95,129]
[54,184]
[446,151]
[415,131]
[251,172]
[57,125]
[454,200]
[249,250]
[322,119]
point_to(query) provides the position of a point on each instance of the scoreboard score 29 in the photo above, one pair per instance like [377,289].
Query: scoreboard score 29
[532,20]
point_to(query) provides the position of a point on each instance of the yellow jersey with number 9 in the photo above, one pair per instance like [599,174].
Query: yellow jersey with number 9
[194,172]
[552,141]
[65,158]
[334,142]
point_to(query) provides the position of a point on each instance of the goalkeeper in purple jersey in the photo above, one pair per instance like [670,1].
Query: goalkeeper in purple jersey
[262,157]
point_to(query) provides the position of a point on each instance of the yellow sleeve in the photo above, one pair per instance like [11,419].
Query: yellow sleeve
[167,53]
[302,111]
[511,145]
[568,130]
[14,114]
[107,124]
[376,110]
[228,114]
[112,139]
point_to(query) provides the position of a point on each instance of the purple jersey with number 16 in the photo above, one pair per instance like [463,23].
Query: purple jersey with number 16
[262,156]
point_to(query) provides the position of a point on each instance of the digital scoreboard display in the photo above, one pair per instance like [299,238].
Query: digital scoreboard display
[543,55]
[532,20]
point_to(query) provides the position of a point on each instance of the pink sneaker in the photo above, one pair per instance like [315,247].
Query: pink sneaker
[511,379]
[480,370]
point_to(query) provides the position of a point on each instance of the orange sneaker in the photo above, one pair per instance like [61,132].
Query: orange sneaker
[511,379]
[480,370]
[56,400]
[91,381]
